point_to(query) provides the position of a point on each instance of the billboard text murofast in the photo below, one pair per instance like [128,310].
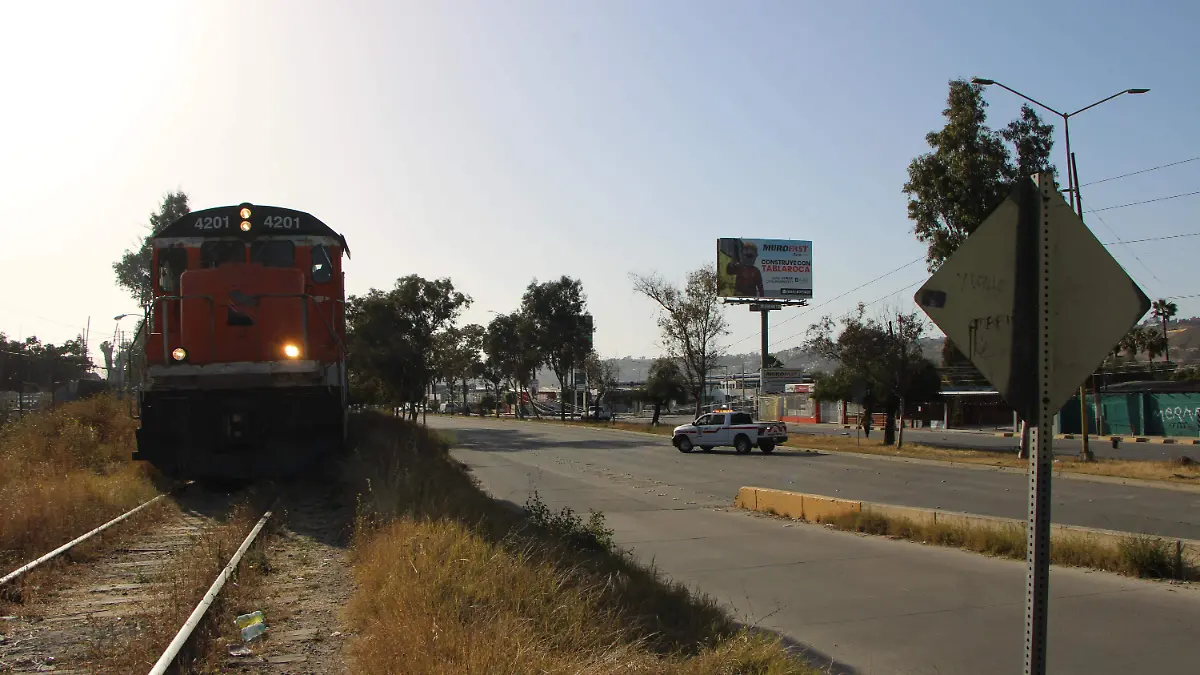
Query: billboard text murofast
[764,268]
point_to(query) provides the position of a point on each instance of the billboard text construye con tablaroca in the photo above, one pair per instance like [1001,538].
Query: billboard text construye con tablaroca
[764,268]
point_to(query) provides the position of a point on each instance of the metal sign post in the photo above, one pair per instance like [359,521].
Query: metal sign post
[1037,529]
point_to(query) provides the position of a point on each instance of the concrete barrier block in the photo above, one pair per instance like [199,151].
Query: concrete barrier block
[747,498]
[818,508]
[914,514]
[780,502]
[956,519]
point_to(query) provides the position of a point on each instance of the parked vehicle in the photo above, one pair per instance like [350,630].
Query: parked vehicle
[729,428]
[599,412]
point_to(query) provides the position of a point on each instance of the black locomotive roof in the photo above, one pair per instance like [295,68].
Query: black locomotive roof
[225,221]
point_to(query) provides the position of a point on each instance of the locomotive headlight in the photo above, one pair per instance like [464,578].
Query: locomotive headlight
[179,354]
[244,213]
[245,223]
[291,351]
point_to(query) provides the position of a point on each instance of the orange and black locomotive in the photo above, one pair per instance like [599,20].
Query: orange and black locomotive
[245,364]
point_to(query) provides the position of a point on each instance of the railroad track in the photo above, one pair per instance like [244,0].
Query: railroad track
[103,609]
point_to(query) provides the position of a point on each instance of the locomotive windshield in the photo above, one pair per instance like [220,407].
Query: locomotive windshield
[273,253]
[217,253]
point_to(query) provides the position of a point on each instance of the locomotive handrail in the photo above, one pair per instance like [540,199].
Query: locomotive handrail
[166,320]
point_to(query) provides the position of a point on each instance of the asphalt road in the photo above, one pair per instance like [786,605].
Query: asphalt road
[987,441]
[864,604]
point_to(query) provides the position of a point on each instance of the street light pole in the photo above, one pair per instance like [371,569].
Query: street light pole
[1086,455]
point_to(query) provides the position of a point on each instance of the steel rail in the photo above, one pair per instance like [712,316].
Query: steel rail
[27,567]
[193,621]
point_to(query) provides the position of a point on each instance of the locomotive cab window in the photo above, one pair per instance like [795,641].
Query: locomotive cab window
[273,253]
[217,253]
[322,265]
[172,262]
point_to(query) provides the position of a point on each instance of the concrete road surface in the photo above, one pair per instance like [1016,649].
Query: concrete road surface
[864,604]
[982,490]
[981,440]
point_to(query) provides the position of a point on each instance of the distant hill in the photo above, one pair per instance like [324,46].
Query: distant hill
[1183,335]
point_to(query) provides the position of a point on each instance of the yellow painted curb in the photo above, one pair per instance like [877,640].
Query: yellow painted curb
[818,508]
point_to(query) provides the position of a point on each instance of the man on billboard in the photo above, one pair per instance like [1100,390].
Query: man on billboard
[737,268]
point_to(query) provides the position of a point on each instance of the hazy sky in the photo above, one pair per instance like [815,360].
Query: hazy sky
[496,142]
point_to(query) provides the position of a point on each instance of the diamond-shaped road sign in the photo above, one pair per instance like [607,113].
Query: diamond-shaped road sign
[985,298]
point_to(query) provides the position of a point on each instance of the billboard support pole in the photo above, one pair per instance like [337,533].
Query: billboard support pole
[762,363]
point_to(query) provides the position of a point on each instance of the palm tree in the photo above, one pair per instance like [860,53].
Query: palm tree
[1165,311]
[1155,343]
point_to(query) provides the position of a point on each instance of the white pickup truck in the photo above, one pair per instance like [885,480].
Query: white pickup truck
[728,428]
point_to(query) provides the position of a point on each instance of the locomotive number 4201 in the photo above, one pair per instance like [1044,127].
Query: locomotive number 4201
[282,222]
[270,222]
[212,223]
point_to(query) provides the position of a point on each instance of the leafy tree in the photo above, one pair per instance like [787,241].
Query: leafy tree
[1133,343]
[510,342]
[133,269]
[881,360]
[492,374]
[691,322]
[556,310]
[772,361]
[463,360]
[601,374]
[1165,311]
[32,365]
[969,171]
[1154,343]
[106,348]
[664,383]
[391,337]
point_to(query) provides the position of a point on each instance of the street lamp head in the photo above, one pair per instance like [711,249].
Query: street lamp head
[1136,91]
[982,81]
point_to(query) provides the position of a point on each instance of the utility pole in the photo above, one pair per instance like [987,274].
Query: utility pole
[902,379]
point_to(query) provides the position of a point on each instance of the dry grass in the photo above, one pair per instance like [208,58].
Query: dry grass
[1135,555]
[64,472]
[449,581]
[1175,471]
[183,584]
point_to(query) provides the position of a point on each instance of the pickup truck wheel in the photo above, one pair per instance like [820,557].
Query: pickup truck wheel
[742,445]
[684,444]
[766,446]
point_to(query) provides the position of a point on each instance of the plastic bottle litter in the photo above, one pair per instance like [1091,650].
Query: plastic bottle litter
[252,631]
[253,625]
[246,620]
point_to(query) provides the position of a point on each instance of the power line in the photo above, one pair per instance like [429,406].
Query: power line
[1147,201]
[1134,173]
[1135,255]
[1140,241]
[810,309]
[865,304]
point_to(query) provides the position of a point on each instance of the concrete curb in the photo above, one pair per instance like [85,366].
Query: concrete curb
[819,508]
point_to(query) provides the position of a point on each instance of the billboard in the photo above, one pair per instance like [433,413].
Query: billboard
[764,268]
[775,380]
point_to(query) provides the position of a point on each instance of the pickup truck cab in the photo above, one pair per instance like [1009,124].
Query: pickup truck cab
[729,428]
